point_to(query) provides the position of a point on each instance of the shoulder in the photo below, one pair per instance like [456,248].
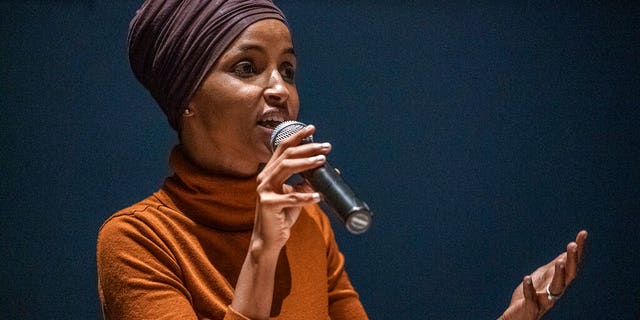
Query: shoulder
[138,231]
[130,223]
[135,211]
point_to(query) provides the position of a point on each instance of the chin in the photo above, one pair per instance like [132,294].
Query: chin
[264,157]
[263,150]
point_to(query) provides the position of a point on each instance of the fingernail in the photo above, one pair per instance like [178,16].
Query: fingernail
[574,249]
[528,281]
[309,127]
[325,145]
[316,197]
[318,158]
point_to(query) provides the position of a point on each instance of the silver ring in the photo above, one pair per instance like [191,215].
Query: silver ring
[551,296]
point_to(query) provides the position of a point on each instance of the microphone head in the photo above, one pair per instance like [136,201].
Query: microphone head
[286,130]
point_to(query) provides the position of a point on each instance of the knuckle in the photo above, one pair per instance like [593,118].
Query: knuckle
[267,200]
[285,144]
[288,152]
[262,187]
[292,198]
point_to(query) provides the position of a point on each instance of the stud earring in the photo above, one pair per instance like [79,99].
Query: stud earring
[187,112]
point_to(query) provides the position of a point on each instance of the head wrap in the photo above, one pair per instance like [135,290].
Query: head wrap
[173,44]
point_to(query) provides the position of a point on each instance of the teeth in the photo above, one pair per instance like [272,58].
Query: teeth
[274,119]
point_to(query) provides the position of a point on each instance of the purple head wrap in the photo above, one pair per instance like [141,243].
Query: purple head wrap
[174,43]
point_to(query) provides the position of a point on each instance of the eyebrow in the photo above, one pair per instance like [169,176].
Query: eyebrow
[248,47]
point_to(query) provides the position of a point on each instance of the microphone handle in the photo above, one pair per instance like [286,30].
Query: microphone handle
[352,211]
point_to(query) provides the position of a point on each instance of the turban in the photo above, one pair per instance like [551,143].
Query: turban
[173,44]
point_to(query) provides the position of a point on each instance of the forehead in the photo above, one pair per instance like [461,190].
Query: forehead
[270,31]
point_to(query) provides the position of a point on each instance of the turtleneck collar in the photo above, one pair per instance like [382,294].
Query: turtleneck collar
[220,202]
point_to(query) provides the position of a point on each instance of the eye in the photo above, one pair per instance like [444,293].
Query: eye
[244,69]
[288,72]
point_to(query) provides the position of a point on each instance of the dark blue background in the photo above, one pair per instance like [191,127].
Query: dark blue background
[483,134]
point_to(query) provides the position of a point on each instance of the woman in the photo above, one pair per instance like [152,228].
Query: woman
[225,236]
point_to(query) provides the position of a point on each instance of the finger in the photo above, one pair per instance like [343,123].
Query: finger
[305,150]
[571,268]
[543,275]
[275,165]
[279,202]
[296,152]
[278,170]
[581,240]
[556,287]
[303,198]
[529,291]
[296,138]
[289,167]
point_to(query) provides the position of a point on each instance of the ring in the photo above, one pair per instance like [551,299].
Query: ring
[551,296]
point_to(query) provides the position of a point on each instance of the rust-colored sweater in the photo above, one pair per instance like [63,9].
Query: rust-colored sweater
[178,253]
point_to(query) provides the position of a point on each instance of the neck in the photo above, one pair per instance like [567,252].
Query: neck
[219,200]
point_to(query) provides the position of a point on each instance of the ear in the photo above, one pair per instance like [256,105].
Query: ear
[186,114]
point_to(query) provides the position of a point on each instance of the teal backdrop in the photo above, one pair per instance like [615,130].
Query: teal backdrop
[484,135]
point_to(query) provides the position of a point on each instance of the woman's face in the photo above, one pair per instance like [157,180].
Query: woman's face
[248,92]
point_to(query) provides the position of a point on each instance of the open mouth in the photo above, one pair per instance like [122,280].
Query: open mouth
[271,122]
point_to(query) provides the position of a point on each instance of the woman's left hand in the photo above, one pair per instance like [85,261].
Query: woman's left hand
[539,291]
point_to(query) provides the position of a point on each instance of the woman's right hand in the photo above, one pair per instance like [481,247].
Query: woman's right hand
[277,209]
[279,204]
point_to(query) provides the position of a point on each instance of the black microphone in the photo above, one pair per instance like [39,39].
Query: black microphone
[353,212]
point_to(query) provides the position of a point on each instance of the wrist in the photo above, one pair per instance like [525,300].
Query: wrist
[260,253]
[254,289]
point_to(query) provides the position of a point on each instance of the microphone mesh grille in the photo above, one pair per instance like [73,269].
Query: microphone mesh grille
[286,130]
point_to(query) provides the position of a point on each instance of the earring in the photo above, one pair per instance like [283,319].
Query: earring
[187,112]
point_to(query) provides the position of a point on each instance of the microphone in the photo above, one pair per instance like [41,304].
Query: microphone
[353,212]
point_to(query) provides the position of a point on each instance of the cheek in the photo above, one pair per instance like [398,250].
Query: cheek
[294,102]
[229,108]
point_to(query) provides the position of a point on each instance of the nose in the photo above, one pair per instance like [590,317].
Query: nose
[276,91]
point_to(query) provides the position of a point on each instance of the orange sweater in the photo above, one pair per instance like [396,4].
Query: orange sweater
[178,253]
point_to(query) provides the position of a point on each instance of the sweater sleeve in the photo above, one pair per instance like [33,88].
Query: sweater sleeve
[138,277]
[344,301]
